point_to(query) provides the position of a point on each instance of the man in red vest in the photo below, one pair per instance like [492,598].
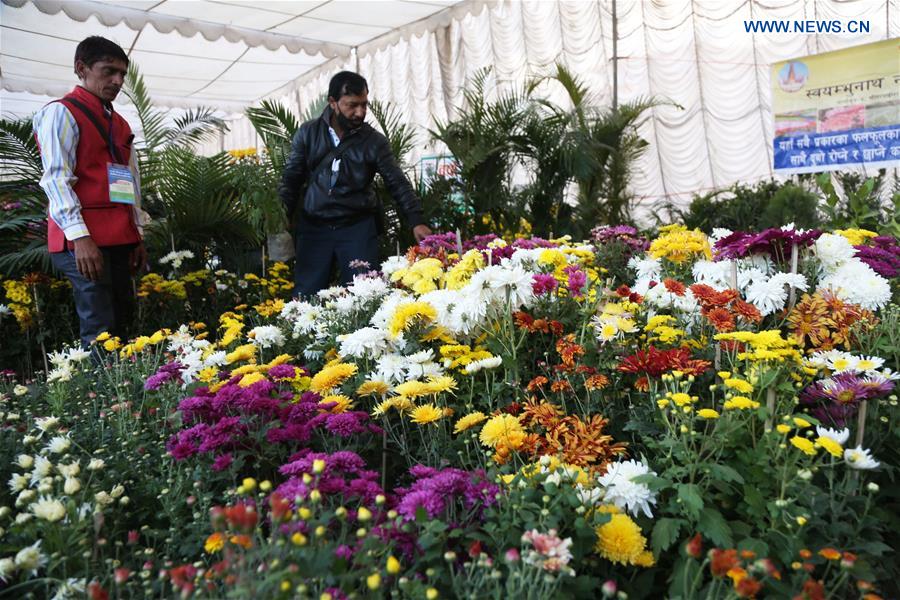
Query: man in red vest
[90,177]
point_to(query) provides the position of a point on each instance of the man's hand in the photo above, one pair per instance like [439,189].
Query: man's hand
[421,232]
[138,259]
[88,258]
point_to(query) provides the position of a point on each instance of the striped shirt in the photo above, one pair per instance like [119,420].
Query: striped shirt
[57,133]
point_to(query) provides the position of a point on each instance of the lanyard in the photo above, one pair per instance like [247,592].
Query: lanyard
[106,133]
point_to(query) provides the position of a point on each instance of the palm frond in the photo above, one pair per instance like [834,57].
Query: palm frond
[400,133]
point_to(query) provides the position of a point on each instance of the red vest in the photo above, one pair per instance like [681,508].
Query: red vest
[109,223]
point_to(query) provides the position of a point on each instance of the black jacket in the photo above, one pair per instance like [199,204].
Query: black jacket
[352,197]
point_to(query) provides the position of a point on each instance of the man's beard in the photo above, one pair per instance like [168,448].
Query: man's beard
[347,124]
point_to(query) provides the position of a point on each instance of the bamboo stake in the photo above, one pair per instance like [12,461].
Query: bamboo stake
[734,278]
[861,422]
[459,247]
[770,408]
[792,292]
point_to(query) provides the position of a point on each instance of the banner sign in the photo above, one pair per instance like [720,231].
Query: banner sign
[838,109]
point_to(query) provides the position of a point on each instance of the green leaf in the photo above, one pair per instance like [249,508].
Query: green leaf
[725,473]
[654,482]
[714,526]
[690,497]
[665,532]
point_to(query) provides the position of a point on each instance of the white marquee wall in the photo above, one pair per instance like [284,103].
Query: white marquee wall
[692,52]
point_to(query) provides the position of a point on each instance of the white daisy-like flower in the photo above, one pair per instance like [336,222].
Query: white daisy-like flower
[266,336]
[860,458]
[17,483]
[5,310]
[31,558]
[421,356]
[77,354]
[589,496]
[869,363]
[59,444]
[62,373]
[46,424]
[839,436]
[646,267]
[393,264]
[70,470]
[25,461]
[7,565]
[42,468]
[833,250]
[625,493]
[48,509]
[96,464]
[71,588]
[718,233]
[368,342]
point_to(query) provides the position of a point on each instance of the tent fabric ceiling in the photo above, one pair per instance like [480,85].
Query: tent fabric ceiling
[224,53]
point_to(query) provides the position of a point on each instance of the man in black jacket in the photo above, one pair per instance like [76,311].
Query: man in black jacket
[334,159]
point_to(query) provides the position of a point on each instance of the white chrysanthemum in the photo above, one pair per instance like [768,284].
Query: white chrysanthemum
[719,233]
[368,288]
[25,461]
[57,359]
[77,354]
[394,263]
[59,444]
[833,434]
[368,342]
[415,370]
[180,339]
[46,424]
[48,509]
[421,356]
[391,367]
[5,310]
[388,307]
[660,297]
[72,485]
[589,496]
[96,464]
[42,468]
[625,493]
[70,470]
[833,250]
[717,275]
[860,458]
[485,363]
[869,363]
[646,267]
[70,589]
[855,282]
[30,558]
[62,373]
[266,336]
[17,483]
[766,295]
[7,565]
[343,305]
[331,292]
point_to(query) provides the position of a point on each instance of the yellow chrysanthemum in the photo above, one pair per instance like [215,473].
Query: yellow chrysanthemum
[739,385]
[856,237]
[740,403]
[251,378]
[503,430]
[707,413]
[413,389]
[332,376]
[443,383]
[409,313]
[214,543]
[245,352]
[804,445]
[427,413]
[341,403]
[620,540]
[373,388]
[469,421]
[831,446]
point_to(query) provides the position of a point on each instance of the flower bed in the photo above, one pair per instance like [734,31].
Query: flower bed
[687,416]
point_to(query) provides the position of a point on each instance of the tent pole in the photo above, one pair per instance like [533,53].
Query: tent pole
[615,57]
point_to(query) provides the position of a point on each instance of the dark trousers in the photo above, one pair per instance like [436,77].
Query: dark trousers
[104,305]
[322,248]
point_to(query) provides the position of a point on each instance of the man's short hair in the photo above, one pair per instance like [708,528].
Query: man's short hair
[347,83]
[96,48]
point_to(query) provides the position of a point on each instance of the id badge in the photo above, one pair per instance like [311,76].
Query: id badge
[121,183]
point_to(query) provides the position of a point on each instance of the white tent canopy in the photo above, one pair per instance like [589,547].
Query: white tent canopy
[419,55]
[224,53]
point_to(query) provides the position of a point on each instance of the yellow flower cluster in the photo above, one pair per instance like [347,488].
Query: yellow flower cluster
[331,376]
[231,325]
[269,307]
[856,237]
[457,356]
[677,244]
[242,153]
[615,319]
[503,431]
[408,313]
[764,345]
[620,540]
[154,283]
[462,272]
[19,302]
[425,275]
[659,329]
